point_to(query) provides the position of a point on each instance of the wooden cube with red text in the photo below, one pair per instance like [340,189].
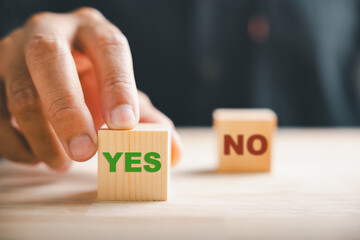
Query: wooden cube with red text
[244,139]
[134,164]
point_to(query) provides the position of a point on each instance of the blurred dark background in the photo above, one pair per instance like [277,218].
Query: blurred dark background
[300,58]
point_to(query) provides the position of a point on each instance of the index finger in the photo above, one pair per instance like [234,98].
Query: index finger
[110,53]
[52,69]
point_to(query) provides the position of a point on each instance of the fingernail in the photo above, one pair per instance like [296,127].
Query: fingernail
[122,117]
[81,147]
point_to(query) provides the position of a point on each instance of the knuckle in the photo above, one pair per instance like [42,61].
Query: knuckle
[168,121]
[40,45]
[111,37]
[38,18]
[24,101]
[5,45]
[118,80]
[144,98]
[6,42]
[89,13]
[15,35]
[10,41]
[161,117]
[61,109]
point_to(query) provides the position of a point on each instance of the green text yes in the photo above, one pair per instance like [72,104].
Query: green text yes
[132,158]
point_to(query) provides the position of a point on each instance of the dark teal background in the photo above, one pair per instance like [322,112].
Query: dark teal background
[191,57]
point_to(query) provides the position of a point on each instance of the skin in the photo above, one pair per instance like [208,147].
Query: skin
[61,77]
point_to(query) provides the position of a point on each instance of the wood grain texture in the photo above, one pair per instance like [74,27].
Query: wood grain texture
[312,193]
[249,125]
[134,186]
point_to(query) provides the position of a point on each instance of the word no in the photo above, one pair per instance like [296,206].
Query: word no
[238,145]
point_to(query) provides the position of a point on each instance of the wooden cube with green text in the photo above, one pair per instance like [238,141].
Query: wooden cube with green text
[134,164]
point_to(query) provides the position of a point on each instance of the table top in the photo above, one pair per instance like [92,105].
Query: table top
[312,192]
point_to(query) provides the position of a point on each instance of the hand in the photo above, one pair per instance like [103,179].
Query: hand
[61,77]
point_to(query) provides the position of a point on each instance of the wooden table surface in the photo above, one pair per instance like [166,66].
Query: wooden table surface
[312,192]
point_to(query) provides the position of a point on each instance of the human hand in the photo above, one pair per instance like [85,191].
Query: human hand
[61,77]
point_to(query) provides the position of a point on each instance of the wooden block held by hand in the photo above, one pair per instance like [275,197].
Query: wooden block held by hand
[134,164]
[244,139]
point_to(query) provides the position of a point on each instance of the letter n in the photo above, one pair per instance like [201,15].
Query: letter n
[230,143]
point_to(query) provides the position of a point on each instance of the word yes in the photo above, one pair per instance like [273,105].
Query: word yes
[133,158]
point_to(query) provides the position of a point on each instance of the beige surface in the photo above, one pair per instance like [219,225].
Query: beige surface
[313,192]
[122,185]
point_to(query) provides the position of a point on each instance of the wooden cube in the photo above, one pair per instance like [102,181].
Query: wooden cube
[134,164]
[244,139]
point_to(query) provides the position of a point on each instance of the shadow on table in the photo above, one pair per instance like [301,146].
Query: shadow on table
[215,173]
[23,184]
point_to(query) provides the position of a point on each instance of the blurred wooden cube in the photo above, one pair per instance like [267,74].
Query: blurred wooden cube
[134,164]
[244,139]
